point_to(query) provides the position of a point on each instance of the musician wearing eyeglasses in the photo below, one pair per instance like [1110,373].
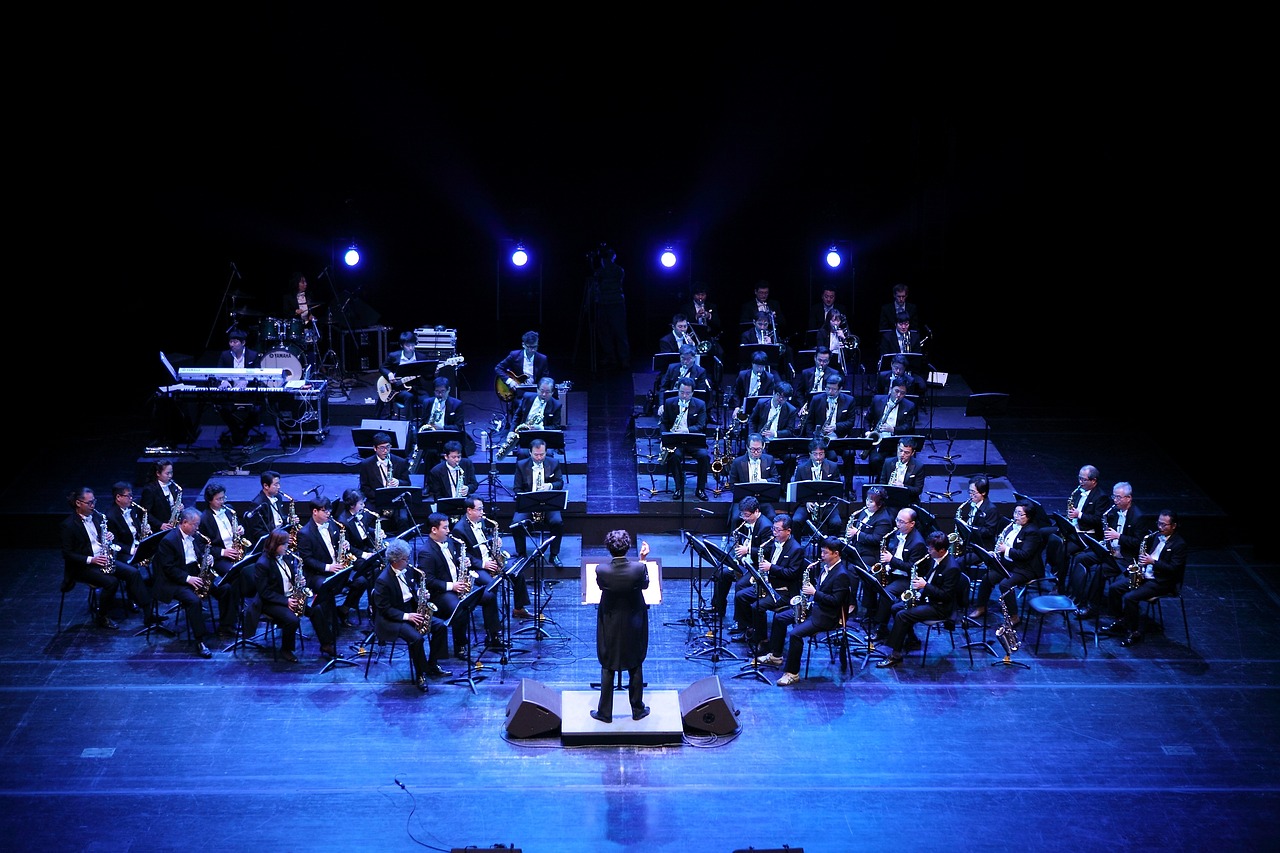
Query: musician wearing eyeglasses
[88,557]
[1084,508]
[1123,526]
[827,593]
[224,532]
[932,595]
[825,515]
[897,555]
[899,370]
[541,472]
[397,592]
[1019,550]
[758,380]
[475,534]
[905,472]
[687,414]
[889,414]
[383,469]
[753,531]
[686,366]
[982,519]
[1160,566]
[782,562]
[755,465]
[865,531]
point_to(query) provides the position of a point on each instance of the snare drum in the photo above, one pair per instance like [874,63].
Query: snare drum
[271,330]
[293,331]
[283,358]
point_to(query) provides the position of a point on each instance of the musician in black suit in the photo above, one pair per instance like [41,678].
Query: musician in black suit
[687,414]
[442,410]
[825,515]
[762,304]
[899,369]
[524,366]
[901,338]
[87,559]
[936,582]
[622,624]
[756,381]
[474,533]
[753,466]
[125,523]
[541,472]
[360,526]
[452,477]
[703,314]
[889,414]
[776,417]
[269,509]
[865,532]
[906,471]
[752,532]
[242,416]
[679,335]
[1162,562]
[540,404]
[781,563]
[813,380]
[1085,506]
[897,556]
[828,594]
[447,575]
[1020,551]
[833,414]
[273,574]
[889,311]
[222,528]
[686,366]
[1123,526]
[823,311]
[411,392]
[318,548]
[396,594]
[176,574]
[161,497]
[384,468]
[982,517]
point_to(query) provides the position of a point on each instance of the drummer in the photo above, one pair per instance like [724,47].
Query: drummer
[297,303]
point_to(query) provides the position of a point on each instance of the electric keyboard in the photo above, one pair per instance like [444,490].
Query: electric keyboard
[231,374]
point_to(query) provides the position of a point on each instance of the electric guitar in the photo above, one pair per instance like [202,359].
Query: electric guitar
[388,388]
[505,391]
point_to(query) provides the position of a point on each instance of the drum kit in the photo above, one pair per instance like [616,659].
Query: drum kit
[289,344]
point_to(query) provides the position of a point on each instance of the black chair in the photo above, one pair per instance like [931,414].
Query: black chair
[835,640]
[1048,604]
[67,586]
[1155,612]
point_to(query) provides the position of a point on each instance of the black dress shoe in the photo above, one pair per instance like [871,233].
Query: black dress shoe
[288,657]
[595,715]
[435,671]
[641,714]
[462,653]
[555,561]
[1133,639]
[701,495]
[105,622]
[888,662]
[203,650]
[422,683]
[1114,628]
[678,496]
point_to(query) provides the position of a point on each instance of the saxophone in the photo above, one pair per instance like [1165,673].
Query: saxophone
[208,577]
[800,601]
[176,515]
[344,557]
[1071,504]
[301,593]
[1006,633]
[1136,570]
[105,537]
[956,543]
[144,527]
[881,570]
[238,529]
[379,536]
[911,596]
[293,523]
[514,436]
[426,607]
[496,553]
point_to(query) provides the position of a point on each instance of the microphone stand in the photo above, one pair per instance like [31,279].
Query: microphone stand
[235,273]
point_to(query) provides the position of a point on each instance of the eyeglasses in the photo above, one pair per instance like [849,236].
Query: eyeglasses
[90,502]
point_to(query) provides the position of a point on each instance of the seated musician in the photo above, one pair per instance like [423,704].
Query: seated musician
[539,473]
[383,469]
[865,531]
[452,477]
[127,523]
[1020,550]
[87,558]
[361,527]
[935,585]
[758,380]
[781,563]
[751,533]
[686,366]
[520,367]
[400,612]
[243,416]
[813,380]
[447,576]
[411,393]
[898,370]
[687,414]
[898,553]
[176,574]
[481,545]
[318,548]
[905,471]
[982,517]
[161,497]
[754,466]
[833,415]
[1157,570]
[680,334]
[280,597]
[825,596]
[538,410]
[269,509]
[824,515]
[220,525]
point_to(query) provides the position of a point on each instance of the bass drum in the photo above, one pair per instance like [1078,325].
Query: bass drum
[283,358]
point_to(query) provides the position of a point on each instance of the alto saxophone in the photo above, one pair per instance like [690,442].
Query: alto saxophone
[496,553]
[800,601]
[176,515]
[144,527]
[881,570]
[514,436]
[301,593]
[1071,504]
[426,607]
[344,558]
[911,596]
[208,577]
[1006,633]
[379,537]
[1136,570]
[238,529]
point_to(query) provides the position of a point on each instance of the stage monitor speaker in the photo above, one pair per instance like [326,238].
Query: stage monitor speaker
[704,706]
[534,709]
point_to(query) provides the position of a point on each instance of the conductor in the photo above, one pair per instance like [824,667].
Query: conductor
[622,624]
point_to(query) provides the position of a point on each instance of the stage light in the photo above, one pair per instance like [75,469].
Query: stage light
[519,257]
[352,256]
[668,257]
[833,257]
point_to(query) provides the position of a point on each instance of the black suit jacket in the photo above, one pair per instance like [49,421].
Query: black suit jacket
[153,500]
[371,476]
[1024,558]
[831,594]
[267,578]
[550,411]
[432,562]
[170,568]
[622,620]
[742,386]
[514,363]
[120,530]
[251,359]
[786,418]
[551,471]
[984,522]
[866,535]
[671,378]
[906,421]
[259,520]
[440,482]
[453,410]
[784,575]
[846,415]
[315,554]
[697,418]
[914,479]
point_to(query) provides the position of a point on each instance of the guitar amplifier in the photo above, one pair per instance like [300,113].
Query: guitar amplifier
[436,342]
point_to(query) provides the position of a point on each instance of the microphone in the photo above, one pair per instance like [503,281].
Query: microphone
[323,273]
[524,523]
[316,488]
[236,271]
[404,496]
[704,511]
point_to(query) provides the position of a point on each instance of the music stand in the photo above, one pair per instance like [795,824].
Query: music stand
[822,492]
[327,595]
[695,546]
[982,405]
[682,441]
[431,444]
[866,648]
[1105,558]
[663,360]
[462,613]
[719,558]
[1039,516]
[553,437]
[773,352]
[142,562]
[452,507]
[362,438]
[386,498]
[752,668]
[840,445]
[535,559]
[899,497]
[791,446]
[765,491]
[915,362]
[244,564]
[506,578]
[926,522]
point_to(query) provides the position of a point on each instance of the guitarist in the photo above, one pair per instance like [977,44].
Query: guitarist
[409,398]
[524,366]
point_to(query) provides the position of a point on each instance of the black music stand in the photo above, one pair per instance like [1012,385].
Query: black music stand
[825,493]
[765,491]
[898,497]
[1038,514]
[553,437]
[983,405]
[386,498]
[362,438]
[244,564]
[773,352]
[327,595]
[719,558]
[462,613]
[752,668]
[779,448]
[431,445]
[535,559]
[866,647]
[841,446]
[452,507]
[694,545]
[915,362]
[142,562]
[672,398]
[926,522]
[506,580]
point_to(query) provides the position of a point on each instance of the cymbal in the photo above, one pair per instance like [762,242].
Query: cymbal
[248,312]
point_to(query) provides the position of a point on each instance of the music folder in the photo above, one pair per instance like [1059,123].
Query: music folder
[818,491]
[547,500]
[652,593]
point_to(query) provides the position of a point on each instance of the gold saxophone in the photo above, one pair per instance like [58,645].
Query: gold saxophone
[294,523]
[426,607]
[1006,633]
[238,529]
[800,601]
[379,536]
[514,436]
[911,596]
[144,527]
[496,553]
[881,570]
[1136,570]
[207,575]
[301,593]
[344,558]
[956,543]
[1071,504]
[177,504]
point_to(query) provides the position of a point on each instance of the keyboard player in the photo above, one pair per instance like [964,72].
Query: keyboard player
[241,416]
